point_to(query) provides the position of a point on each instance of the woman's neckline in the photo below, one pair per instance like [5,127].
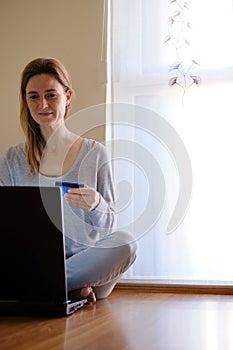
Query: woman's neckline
[74,164]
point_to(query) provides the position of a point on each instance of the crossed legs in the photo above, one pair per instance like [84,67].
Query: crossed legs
[96,270]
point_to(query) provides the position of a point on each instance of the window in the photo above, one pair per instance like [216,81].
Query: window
[158,137]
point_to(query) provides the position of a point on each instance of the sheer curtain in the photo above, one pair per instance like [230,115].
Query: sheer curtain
[169,147]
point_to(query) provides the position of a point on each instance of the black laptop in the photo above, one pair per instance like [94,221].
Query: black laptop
[32,253]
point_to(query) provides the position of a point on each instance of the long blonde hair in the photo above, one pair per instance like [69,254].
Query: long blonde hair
[35,142]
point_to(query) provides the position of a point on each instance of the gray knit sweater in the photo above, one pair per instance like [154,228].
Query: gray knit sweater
[92,167]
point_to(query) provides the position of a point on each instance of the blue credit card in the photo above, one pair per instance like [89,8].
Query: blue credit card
[67,185]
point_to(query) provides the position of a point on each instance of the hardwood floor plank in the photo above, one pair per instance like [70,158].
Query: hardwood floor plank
[129,320]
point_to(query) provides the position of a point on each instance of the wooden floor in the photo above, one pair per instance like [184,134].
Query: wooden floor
[132,320]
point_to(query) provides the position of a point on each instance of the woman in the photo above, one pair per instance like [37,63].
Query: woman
[53,153]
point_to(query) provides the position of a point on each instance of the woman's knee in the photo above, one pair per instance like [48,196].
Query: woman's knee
[119,239]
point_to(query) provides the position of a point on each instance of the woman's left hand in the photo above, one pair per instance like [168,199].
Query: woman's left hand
[86,198]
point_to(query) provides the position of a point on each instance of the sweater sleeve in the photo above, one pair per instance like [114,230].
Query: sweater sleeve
[13,167]
[103,217]
[5,172]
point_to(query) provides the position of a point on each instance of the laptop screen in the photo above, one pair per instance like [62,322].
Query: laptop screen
[32,257]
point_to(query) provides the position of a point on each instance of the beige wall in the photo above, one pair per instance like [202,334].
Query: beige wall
[70,30]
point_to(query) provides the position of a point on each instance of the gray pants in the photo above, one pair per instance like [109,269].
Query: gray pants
[102,265]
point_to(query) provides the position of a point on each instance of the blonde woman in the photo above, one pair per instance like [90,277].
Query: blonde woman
[53,153]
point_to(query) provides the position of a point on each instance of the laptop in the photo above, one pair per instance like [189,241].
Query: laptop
[32,253]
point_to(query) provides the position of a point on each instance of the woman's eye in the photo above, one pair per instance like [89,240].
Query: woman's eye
[50,96]
[33,97]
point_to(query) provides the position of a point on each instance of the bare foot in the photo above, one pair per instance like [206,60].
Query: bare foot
[88,293]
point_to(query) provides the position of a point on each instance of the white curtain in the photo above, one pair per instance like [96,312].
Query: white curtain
[165,146]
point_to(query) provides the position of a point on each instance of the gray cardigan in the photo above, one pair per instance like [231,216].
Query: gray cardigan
[92,167]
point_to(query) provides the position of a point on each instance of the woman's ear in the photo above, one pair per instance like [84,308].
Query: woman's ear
[69,94]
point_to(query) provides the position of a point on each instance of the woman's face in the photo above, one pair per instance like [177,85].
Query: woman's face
[47,100]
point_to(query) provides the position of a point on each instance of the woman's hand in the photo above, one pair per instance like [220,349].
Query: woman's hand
[86,198]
